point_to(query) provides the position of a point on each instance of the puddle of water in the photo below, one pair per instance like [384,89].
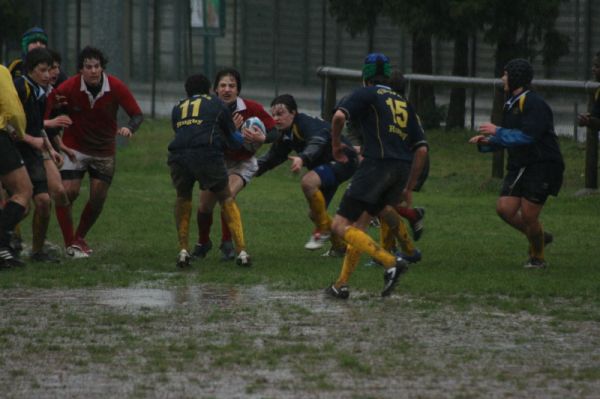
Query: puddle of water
[161,298]
[135,297]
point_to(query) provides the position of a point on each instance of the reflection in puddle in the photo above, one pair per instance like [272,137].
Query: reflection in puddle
[206,295]
[160,298]
[136,297]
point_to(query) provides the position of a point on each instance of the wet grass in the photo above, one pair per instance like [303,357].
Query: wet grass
[451,311]
[467,249]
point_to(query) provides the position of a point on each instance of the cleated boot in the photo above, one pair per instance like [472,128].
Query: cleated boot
[316,241]
[243,259]
[227,250]
[183,259]
[414,258]
[8,258]
[392,275]
[534,263]
[75,252]
[339,293]
[45,257]
[201,250]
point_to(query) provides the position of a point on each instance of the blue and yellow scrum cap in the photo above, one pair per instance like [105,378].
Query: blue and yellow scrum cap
[34,34]
[376,64]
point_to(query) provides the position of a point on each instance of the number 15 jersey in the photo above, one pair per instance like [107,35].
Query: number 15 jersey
[390,127]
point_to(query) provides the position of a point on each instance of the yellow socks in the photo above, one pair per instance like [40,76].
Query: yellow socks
[363,243]
[399,231]
[350,262]
[386,236]
[234,222]
[319,210]
[183,213]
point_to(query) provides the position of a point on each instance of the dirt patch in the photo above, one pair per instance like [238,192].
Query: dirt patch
[206,341]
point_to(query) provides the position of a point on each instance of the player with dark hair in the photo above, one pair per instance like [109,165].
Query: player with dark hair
[535,165]
[592,119]
[394,152]
[92,99]
[13,174]
[310,138]
[36,147]
[241,163]
[203,127]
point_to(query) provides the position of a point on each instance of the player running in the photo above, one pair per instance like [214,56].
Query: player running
[394,151]
[310,138]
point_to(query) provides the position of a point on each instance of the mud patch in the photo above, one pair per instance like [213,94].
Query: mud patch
[252,342]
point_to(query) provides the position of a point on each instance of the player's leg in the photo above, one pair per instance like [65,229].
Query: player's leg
[360,240]
[530,213]
[41,221]
[101,171]
[339,289]
[311,184]
[41,212]
[71,173]
[204,217]
[398,229]
[231,215]
[508,208]
[92,210]
[184,185]
[326,179]
[15,179]
[240,173]
[56,189]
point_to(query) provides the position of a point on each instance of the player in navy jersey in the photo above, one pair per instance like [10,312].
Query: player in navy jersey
[310,139]
[394,151]
[241,162]
[203,127]
[535,165]
[36,147]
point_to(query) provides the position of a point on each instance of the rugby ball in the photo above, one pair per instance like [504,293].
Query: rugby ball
[248,124]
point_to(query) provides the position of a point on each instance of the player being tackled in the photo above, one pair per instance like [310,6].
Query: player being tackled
[203,127]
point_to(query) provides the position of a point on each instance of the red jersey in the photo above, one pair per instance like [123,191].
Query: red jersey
[94,127]
[247,109]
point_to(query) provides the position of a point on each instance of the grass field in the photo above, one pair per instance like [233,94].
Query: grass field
[467,321]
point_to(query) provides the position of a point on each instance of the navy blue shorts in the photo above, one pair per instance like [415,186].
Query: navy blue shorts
[535,182]
[334,173]
[10,157]
[376,183]
[187,168]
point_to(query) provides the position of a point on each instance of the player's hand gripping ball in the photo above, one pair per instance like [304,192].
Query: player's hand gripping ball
[249,123]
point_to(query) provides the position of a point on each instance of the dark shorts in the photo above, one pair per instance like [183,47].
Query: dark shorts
[10,157]
[334,173]
[34,162]
[190,167]
[376,183]
[535,182]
